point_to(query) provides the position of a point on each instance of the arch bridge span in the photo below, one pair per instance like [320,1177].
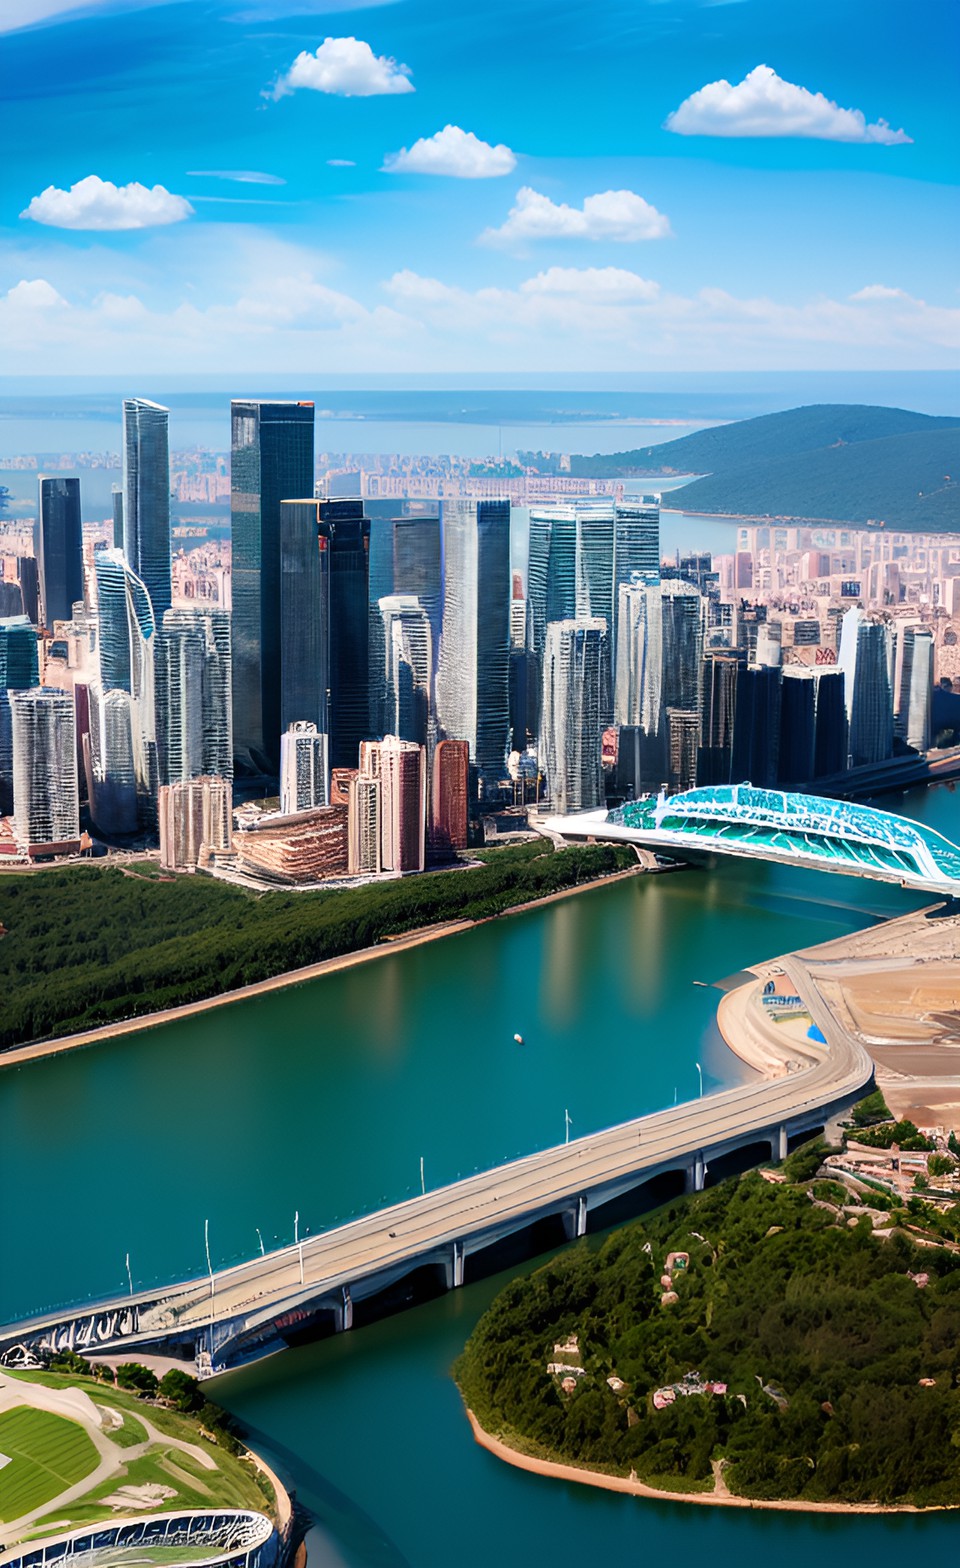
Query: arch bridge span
[383,1261]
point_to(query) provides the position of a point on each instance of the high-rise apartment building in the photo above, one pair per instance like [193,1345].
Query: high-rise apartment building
[473,683]
[916,686]
[303,767]
[363,827]
[406,650]
[403,804]
[450,796]
[683,739]
[682,624]
[866,659]
[194,817]
[19,671]
[108,758]
[146,498]
[271,461]
[127,662]
[574,680]
[59,549]
[46,799]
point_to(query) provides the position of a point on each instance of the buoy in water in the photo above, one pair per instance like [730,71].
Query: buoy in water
[518,1038]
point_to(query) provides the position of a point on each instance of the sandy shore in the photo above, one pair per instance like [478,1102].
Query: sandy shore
[620,1483]
[396,944]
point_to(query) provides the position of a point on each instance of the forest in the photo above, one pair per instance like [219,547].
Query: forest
[84,946]
[800,1357]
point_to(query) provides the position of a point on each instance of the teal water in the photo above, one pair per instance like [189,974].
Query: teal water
[322,1099]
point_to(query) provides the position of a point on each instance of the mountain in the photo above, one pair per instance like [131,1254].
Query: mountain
[850,463]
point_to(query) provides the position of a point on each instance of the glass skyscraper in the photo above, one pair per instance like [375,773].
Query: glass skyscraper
[59,549]
[347,531]
[473,682]
[305,616]
[271,461]
[574,685]
[19,670]
[146,497]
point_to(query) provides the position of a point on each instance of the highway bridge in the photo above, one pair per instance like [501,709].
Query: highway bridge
[385,1260]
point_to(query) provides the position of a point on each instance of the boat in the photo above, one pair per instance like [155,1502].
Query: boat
[518,1038]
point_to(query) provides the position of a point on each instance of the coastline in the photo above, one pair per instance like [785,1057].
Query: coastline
[19,1054]
[634,1488]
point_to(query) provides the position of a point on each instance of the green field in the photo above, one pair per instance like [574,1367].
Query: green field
[47,1453]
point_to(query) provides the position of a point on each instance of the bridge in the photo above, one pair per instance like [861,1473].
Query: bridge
[770,824]
[380,1262]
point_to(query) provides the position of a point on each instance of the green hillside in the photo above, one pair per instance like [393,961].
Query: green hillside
[755,440]
[908,481]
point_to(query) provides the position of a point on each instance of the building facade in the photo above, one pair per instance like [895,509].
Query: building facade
[59,549]
[146,497]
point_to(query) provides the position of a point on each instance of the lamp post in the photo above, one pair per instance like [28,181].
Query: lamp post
[567,1125]
[423,1183]
[129,1275]
[700,1071]
[206,1244]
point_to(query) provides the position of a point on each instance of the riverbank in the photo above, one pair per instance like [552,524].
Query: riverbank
[18,1055]
[635,1488]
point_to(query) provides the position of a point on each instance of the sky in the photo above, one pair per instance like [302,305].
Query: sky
[301,186]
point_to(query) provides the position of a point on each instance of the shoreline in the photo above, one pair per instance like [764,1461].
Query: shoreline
[635,1488]
[19,1054]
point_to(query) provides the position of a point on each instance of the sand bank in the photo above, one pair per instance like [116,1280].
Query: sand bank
[620,1483]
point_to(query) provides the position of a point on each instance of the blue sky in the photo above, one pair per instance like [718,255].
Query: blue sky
[520,186]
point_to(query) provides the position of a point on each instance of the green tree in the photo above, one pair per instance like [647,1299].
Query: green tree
[182,1390]
[139,1379]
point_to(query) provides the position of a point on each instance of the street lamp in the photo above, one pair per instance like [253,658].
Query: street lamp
[700,1071]
[567,1125]
[129,1275]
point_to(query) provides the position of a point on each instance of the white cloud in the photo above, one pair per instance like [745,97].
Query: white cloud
[621,216]
[879,291]
[99,204]
[340,163]
[455,152]
[763,104]
[34,294]
[599,283]
[15,14]
[347,67]
[240,176]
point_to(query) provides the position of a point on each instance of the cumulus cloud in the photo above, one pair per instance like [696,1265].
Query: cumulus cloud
[599,283]
[241,176]
[346,67]
[34,294]
[99,204]
[340,163]
[763,104]
[879,291]
[454,152]
[621,216]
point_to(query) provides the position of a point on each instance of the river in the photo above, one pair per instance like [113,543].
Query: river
[320,1101]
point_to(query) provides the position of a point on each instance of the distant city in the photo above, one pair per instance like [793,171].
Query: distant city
[388,659]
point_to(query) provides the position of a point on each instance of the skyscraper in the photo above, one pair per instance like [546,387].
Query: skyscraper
[19,670]
[146,498]
[180,647]
[719,708]
[682,618]
[756,730]
[574,679]
[473,694]
[403,804]
[305,615]
[581,552]
[348,542]
[866,659]
[127,659]
[59,549]
[108,761]
[916,687]
[450,796]
[46,801]
[407,679]
[271,460]
[638,691]
[194,821]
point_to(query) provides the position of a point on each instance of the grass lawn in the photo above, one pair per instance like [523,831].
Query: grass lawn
[47,1453]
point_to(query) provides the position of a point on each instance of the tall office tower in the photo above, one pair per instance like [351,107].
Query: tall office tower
[718,715]
[580,553]
[518,616]
[407,670]
[19,670]
[403,804]
[380,585]
[304,615]
[303,768]
[348,542]
[108,761]
[916,687]
[865,658]
[683,740]
[363,826]
[417,564]
[831,746]
[127,652]
[46,799]
[116,500]
[146,498]
[473,671]
[638,705]
[798,725]
[574,679]
[682,620]
[59,549]
[11,600]
[271,460]
[180,652]
[450,796]
[194,817]
[636,543]
[756,730]
[28,576]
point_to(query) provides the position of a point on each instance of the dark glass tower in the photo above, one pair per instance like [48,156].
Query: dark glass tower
[60,549]
[348,542]
[305,615]
[756,730]
[146,498]
[271,461]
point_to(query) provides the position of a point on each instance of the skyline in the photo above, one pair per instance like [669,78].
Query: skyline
[339,189]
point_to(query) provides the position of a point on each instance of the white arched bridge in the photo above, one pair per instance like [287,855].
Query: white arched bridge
[771,824]
[438,1240]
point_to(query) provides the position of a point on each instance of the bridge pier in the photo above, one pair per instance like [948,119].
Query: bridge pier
[695,1174]
[575,1220]
[344,1315]
[459,1251]
[779,1147]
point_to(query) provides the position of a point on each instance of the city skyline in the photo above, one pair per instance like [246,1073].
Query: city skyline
[347,192]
